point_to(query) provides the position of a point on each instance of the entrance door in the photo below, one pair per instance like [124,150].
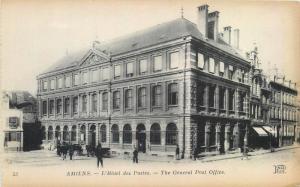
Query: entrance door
[222,139]
[141,138]
[92,136]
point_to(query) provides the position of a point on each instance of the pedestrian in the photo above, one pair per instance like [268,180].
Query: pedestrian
[58,149]
[135,155]
[195,154]
[177,152]
[64,151]
[99,155]
[71,151]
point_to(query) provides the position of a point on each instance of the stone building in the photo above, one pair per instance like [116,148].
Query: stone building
[283,110]
[177,83]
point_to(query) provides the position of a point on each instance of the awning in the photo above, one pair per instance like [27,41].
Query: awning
[260,131]
[269,129]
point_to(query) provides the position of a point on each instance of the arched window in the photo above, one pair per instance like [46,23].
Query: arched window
[128,99]
[156,96]
[155,134]
[57,132]
[43,133]
[115,133]
[82,133]
[50,133]
[171,134]
[142,97]
[103,133]
[173,94]
[73,133]
[127,134]
[66,133]
[116,100]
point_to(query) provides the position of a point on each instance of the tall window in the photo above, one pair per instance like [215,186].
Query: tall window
[116,100]
[85,77]
[222,98]
[59,83]
[174,60]
[67,106]
[76,79]
[105,101]
[68,82]
[73,133]
[231,100]
[105,74]
[75,104]
[45,85]
[230,72]
[212,96]
[143,66]
[171,134]
[142,97]
[211,65]
[221,69]
[200,61]
[157,63]
[156,96]
[129,69]
[155,134]
[94,103]
[52,84]
[201,133]
[173,94]
[117,71]
[127,134]
[200,94]
[58,106]
[95,75]
[44,111]
[115,133]
[50,133]
[128,99]
[103,133]
[51,107]
[84,103]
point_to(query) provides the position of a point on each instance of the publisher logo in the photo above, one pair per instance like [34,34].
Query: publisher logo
[279,169]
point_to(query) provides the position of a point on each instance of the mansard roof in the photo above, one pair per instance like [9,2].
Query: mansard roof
[155,35]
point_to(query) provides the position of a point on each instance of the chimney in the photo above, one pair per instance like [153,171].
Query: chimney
[227,34]
[202,19]
[236,38]
[213,25]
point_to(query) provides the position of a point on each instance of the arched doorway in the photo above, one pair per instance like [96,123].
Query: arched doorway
[57,133]
[92,136]
[141,137]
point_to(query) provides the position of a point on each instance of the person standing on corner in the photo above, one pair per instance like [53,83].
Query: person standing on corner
[99,155]
[135,155]
[177,152]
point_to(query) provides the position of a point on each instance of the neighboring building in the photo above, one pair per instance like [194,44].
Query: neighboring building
[261,135]
[283,110]
[298,123]
[19,109]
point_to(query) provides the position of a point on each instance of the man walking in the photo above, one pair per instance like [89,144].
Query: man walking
[99,155]
[135,155]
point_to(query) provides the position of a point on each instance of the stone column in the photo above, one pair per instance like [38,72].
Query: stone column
[207,136]
[77,133]
[237,99]
[48,107]
[148,98]
[63,106]
[165,96]
[46,134]
[97,133]
[88,107]
[87,129]
[227,101]
[217,92]
[98,104]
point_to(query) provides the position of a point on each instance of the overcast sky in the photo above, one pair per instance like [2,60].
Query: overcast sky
[35,34]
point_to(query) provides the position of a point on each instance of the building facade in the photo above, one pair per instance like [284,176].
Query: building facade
[283,110]
[177,83]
